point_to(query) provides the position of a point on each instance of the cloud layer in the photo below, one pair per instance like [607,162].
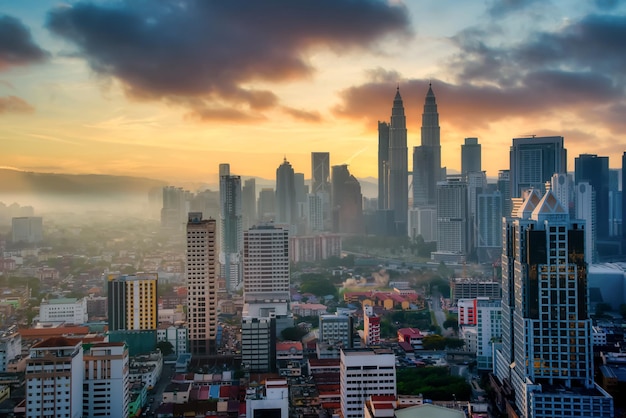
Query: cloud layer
[204,54]
[17,46]
[578,70]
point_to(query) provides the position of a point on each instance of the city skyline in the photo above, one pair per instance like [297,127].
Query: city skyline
[173,105]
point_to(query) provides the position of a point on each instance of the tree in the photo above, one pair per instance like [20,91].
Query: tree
[293,334]
[622,310]
[165,347]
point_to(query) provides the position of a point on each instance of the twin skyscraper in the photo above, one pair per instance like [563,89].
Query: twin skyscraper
[393,170]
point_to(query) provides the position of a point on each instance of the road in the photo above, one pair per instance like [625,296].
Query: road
[435,305]
[156,394]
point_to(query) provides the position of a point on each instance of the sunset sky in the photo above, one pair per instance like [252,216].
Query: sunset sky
[171,89]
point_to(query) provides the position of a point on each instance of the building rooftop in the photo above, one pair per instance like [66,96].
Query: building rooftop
[58,342]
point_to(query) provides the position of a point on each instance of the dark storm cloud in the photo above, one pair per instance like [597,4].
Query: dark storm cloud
[212,49]
[596,42]
[16,44]
[13,104]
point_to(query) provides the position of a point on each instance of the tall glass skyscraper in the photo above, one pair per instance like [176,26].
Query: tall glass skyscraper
[533,162]
[427,157]
[398,187]
[546,356]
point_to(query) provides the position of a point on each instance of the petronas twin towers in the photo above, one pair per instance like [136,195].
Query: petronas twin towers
[393,170]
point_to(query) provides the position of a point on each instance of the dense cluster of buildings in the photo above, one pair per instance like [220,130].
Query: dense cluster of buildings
[531,329]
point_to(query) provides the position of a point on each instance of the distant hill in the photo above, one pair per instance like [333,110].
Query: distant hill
[18,182]
[77,192]
[52,191]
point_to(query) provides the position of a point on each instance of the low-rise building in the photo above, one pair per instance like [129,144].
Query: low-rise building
[69,310]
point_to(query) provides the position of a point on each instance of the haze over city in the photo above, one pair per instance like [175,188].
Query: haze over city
[170,90]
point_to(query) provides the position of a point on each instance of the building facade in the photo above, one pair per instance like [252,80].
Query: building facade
[427,157]
[106,386]
[534,160]
[546,355]
[231,230]
[70,310]
[132,301]
[201,284]
[365,372]
[398,166]
[54,379]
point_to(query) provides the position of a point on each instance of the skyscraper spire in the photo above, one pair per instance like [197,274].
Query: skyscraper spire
[398,165]
[427,157]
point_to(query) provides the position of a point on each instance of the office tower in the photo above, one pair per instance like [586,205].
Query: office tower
[504,187]
[54,379]
[347,201]
[623,202]
[480,324]
[371,326]
[452,220]
[201,284]
[562,185]
[315,210]
[285,194]
[132,301]
[258,344]
[231,230]
[427,169]
[471,156]
[320,185]
[476,184]
[302,208]
[595,170]
[175,207]
[615,203]
[383,165]
[106,382]
[398,187]
[266,205]
[27,229]
[546,356]
[314,248]
[489,226]
[248,203]
[265,293]
[534,160]
[365,372]
[207,202]
[585,210]
[266,264]
[320,172]
[423,221]
[337,329]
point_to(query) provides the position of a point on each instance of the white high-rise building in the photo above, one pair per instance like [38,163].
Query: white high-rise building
[546,356]
[201,284]
[54,379]
[480,325]
[365,372]
[266,258]
[266,264]
[106,386]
